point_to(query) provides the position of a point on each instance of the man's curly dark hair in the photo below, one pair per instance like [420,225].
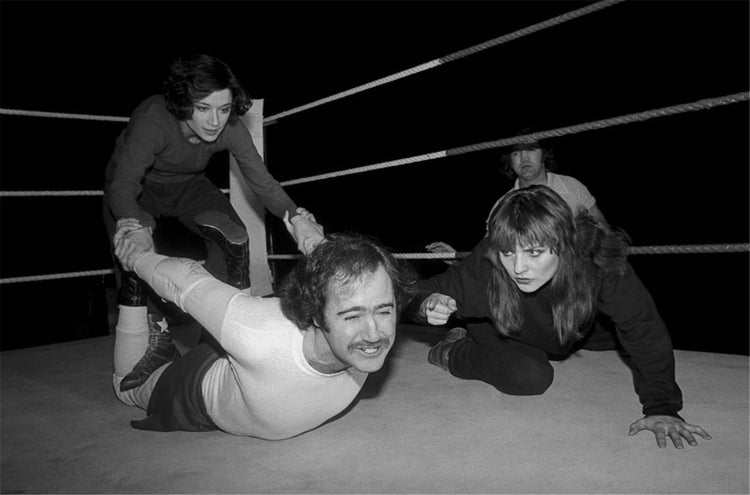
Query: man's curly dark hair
[341,258]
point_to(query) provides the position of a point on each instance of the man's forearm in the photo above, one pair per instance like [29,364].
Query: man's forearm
[186,283]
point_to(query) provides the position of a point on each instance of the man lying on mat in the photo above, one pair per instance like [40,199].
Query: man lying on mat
[283,365]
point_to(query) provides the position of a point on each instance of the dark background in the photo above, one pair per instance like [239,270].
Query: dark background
[673,180]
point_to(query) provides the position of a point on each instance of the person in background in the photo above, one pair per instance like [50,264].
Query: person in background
[531,163]
[530,293]
[286,364]
[157,170]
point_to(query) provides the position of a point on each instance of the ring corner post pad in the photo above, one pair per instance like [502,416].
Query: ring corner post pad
[250,208]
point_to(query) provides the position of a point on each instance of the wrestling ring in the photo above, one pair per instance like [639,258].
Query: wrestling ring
[63,431]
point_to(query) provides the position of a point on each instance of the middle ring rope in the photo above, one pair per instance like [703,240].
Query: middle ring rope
[704,104]
[562,131]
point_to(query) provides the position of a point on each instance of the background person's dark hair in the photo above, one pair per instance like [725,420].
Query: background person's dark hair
[342,258]
[192,78]
[548,160]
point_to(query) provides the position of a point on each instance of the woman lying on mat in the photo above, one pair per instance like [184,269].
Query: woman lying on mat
[536,289]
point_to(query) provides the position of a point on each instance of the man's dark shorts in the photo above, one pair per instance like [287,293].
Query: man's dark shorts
[176,403]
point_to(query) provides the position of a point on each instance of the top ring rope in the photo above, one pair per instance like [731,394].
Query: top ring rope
[562,131]
[379,82]
[449,58]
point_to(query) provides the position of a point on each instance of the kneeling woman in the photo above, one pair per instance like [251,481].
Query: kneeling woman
[532,290]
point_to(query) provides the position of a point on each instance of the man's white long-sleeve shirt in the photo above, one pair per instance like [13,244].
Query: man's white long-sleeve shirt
[264,387]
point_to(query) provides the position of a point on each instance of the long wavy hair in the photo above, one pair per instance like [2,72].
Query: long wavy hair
[587,250]
[192,78]
[342,259]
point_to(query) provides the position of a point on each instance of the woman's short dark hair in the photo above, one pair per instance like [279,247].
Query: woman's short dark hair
[342,258]
[192,78]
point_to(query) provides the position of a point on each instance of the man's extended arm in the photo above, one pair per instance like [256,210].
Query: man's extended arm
[179,280]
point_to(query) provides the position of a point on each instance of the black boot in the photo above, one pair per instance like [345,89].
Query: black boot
[132,291]
[233,242]
[161,350]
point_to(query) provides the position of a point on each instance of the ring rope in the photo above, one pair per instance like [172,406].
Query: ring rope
[692,249]
[57,115]
[378,82]
[569,16]
[449,58]
[684,249]
[27,194]
[634,250]
[704,104]
[56,276]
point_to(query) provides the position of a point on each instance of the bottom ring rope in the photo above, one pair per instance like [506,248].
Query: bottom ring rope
[679,249]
